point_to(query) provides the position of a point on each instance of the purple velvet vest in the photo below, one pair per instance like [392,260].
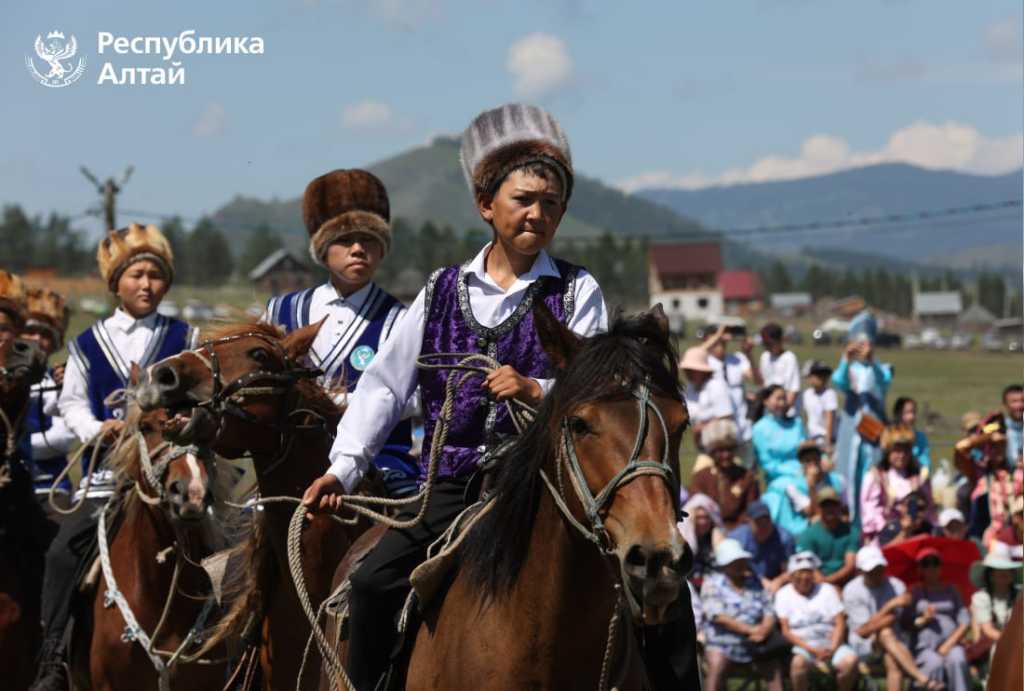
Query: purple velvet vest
[450,327]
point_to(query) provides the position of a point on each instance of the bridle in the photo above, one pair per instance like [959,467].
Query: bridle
[12,425]
[635,467]
[154,474]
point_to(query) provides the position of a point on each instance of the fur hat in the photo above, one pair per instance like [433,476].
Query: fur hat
[896,434]
[47,310]
[501,140]
[12,297]
[343,202]
[125,246]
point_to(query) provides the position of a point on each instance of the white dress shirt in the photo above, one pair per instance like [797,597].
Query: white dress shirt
[130,337]
[391,378]
[57,440]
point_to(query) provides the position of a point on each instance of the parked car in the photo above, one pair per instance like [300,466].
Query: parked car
[960,342]
[992,343]
[197,311]
[734,325]
[888,339]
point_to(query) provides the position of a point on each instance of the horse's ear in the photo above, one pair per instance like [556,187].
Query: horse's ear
[560,344]
[660,318]
[135,375]
[298,342]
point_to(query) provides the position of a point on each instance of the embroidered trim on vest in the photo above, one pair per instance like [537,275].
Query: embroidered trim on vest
[493,332]
[569,299]
[106,344]
[428,292]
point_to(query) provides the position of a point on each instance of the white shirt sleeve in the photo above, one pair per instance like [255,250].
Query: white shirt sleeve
[58,439]
[380,399]
[589,317]
[829,400]
[791,372]
[74,403]
[719,400]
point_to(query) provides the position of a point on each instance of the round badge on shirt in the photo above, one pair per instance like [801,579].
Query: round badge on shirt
[361,357]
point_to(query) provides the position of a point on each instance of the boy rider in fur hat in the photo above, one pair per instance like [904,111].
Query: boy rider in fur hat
[517,162]
[348,218]
[138,265]
[45,324]
[12,306]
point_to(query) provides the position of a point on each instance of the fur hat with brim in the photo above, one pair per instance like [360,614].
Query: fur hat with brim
[506,138]
[47,310]
[345,202]
[126,246]
[12,297]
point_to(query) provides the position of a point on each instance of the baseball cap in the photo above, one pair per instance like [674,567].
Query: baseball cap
[869,557]
[728,551]
[949,515]
[828,494]
[757,509]
[803,560]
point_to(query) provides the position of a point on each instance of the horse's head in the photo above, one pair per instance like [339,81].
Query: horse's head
[619,418]
[232,391]
[22,364]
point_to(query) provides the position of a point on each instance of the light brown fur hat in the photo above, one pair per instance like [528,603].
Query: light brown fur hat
[125,246]
[47,309]
[12,296]
[500,140]
[343,202]
[896,434]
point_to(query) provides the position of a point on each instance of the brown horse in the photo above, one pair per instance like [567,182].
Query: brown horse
[24,531]
[164,527]
[244,391]
[577,559]
[1007,669]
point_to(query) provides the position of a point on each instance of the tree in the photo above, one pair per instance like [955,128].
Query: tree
[209,255]
[17,237]
[778,280]
[262,243]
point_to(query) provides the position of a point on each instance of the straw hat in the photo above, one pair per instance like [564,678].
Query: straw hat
[696,359]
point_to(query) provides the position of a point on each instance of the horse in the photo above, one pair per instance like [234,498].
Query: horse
[24,530]
[244,391]
[568,575]
[1006,672]
[153,597]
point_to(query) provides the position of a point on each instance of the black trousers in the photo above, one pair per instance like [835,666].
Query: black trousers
[65,565]
[381,584]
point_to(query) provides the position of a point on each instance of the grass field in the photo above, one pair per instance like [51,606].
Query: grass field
[945,383]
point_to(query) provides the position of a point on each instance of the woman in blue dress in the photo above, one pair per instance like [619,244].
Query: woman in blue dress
[790,500]
[776,436]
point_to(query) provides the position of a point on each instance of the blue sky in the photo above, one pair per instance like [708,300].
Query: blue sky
[674,93]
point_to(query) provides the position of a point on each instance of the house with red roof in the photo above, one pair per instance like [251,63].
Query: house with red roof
[683,277]
[741,291]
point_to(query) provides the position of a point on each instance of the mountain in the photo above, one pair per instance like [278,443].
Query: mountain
[426,184]
[960,242]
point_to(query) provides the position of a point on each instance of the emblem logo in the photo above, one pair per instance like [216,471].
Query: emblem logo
[361,357]
[57,52]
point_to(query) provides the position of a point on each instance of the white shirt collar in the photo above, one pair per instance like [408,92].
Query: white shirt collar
[355,300]
[126,323]
[543,265]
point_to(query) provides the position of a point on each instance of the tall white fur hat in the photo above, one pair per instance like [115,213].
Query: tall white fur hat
[503,139]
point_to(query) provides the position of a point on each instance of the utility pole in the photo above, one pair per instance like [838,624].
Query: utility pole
[108,191]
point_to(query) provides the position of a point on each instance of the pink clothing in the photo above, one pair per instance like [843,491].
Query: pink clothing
[1001,486]
[881,490]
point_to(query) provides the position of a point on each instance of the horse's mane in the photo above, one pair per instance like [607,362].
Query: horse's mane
[607,365]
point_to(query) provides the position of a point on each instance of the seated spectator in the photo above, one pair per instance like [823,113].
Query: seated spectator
[995,483]
[777,436]
[820,404]
[739,619]
[904,412]
[812,620]
[731,485]
[992,603]
[832,539]
[778,365]
[911,520]
[707,398]
[1012,535]
[698,614]
[702,531]
[952,525]
[1013,418]
[793,501]
[896,475]
[769,545]
[939,621]
[874,604]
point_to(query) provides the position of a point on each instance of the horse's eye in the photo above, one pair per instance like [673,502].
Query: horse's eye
[260,355]
[578,426]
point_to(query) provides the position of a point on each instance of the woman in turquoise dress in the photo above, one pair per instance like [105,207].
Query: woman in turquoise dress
[776,436]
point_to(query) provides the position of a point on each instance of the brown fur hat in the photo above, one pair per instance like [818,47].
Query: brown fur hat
[896,434]
[509,137]
[47,310]
[12,297]
[125,246]
[343,202]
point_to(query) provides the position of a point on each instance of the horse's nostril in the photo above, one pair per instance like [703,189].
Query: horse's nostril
[636,557]
[21,347]
[177,488]
[166,378]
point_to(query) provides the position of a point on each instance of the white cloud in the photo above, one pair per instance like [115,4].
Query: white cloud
[210,122]
[367,115]
[1002,40]
[951,145]
[539,64]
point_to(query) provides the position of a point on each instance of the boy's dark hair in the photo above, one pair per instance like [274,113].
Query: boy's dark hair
[1012,388]
[771,332]
[897,407]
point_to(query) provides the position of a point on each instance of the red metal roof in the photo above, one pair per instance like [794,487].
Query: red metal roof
[680,259]
[739,285]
